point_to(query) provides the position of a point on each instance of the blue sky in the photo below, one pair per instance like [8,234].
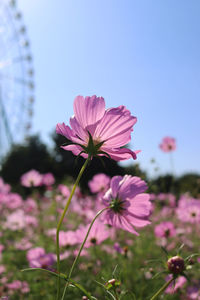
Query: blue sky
[142,54]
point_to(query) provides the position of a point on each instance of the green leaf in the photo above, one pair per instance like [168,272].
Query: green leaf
[61,275]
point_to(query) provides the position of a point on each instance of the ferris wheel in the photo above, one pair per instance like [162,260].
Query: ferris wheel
[16,78]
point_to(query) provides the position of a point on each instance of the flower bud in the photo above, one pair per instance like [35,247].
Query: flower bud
[112,281]
[176,265]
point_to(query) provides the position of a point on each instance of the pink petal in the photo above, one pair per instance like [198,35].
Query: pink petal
[137,222]
[64,130]
[78,130]
[120,153]
[131,186]
[67,132]
[114,184]
[88,110]
[118,221]
[75,149]
[140,206]
[115,127]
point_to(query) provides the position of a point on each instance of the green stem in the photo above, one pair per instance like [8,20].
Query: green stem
[172,163]
[61,220]
[81,248]
[116,295]
[63,276]
[162,289]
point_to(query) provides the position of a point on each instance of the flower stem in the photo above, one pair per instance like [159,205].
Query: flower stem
[116,296]
[80,250]
[61,220]
[162,289]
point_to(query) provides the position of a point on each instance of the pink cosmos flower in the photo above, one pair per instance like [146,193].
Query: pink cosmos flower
[15,221]
[127,205]
[18,285]
[34,253]
[37,258]
[4,188]
[30,205]
[168,144]
[23,244]
[45,261]
[2,269]
[31,178]
[97,235]
[31,220]
[168,198]
[48,179]
[15,285]
[179,283]
[64,190]
[99,183]
[188,210]
[14,201]
[98,131]
[118,248]
[68,238]
[193,292]
[165,229]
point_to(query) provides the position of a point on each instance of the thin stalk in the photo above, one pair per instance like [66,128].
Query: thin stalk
[116,295]
[61,220]
[172,163]
[80,250]
[63,276]
[162,289]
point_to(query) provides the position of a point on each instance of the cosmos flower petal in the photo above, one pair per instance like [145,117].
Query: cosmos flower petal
[119,221]
[114,185]
[140,206]
[124,223]
[67,132]
[121,153]
[79,131]
[115,127]
[64,130]
[75,149]
[131,186]
[88,110]
[137,222]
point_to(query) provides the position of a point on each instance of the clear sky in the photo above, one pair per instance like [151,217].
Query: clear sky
[143,54]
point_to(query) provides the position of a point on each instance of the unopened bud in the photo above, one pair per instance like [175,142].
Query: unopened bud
[176,265]
[112,281]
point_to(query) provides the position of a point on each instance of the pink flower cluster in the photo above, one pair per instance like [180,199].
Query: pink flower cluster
[34,178]
[18,285]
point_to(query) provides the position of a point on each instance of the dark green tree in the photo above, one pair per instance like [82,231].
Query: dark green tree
[21,158]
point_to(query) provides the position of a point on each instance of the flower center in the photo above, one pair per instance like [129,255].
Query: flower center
[117,204]
[93,241]
[167,232]
[93,146]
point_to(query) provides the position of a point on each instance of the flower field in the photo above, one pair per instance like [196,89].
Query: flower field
[116,241]
[28,240]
